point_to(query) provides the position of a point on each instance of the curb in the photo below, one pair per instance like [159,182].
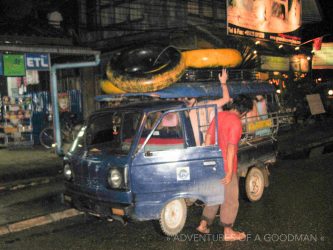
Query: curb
[38,221]
[27,183]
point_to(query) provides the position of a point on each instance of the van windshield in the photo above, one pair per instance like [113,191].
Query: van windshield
[113,131]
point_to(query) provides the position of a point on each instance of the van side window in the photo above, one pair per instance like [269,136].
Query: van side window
[167,135]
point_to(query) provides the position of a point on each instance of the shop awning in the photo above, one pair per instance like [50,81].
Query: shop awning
[59,50]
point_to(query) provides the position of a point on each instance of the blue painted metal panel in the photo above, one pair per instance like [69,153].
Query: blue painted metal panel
[90,176]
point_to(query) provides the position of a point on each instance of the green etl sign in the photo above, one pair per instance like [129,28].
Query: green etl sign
[14,65]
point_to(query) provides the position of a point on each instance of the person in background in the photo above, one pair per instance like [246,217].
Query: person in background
[229,134]
[261,107]
[252,115]
[262,115]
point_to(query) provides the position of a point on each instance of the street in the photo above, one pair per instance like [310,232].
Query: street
[294,213]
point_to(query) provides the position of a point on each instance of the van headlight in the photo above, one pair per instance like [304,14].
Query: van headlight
[68,173]
[115,178]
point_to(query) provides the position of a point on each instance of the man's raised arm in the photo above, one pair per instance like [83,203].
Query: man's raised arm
[223,77]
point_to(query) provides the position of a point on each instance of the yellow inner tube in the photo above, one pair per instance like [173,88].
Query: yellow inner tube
[210,58]
[202,58]
[109,88]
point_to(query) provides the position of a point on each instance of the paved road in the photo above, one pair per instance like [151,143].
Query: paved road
[296,212]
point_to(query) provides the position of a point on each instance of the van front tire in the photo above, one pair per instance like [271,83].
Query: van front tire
[173,217]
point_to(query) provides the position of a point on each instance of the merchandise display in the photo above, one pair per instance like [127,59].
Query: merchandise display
[16,122]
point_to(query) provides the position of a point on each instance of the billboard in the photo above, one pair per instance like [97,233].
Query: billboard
[274,63]
[323,58]
[274,20]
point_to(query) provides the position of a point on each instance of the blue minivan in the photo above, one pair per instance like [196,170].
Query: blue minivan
[140,162]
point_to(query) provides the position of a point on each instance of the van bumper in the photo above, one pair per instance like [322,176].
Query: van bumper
[100,208]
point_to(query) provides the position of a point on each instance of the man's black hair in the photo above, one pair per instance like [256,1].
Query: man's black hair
[242,103]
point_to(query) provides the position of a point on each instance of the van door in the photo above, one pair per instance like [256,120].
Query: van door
[167,166]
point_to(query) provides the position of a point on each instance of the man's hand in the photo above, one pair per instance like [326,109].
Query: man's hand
[223,76]
[227,179]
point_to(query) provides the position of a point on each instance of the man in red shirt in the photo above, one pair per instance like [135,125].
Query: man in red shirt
[229,134]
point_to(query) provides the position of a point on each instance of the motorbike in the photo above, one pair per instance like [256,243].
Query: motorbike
[70,125]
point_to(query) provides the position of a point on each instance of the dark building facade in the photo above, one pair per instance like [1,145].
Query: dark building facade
[110,25]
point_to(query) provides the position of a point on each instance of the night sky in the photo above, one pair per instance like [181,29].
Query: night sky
[326,27]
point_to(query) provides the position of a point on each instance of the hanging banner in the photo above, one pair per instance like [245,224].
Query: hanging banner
[32,77]
[1,65]
[274,20]
[37,61]
[14,65]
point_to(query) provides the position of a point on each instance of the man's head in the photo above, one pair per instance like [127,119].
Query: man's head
[259,98]
[242,104]
[188,101]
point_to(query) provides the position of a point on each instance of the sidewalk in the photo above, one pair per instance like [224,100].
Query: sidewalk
[17,167]
[31,189]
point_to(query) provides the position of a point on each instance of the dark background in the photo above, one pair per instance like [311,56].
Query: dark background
[326,26]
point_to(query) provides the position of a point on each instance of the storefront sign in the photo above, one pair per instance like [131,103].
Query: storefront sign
[14,65]
[274,63]
[37,61]
[273,20]
[323,59]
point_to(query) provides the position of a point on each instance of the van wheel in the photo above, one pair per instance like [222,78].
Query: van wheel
[254,184]
[173,217]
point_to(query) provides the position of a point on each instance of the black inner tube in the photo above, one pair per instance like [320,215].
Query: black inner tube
[144,62]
